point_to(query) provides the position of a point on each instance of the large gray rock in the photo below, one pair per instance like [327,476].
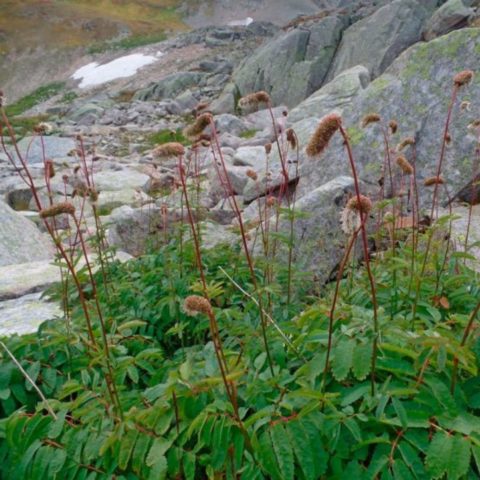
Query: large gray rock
[25,314]
[55,148]
[20,239]
[318,243]
[293,65]
[414,91]
[378,39]
[170,87]
[450,16]
[335,95]
[24,278]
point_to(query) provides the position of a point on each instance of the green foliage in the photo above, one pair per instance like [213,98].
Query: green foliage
[248,133]
[127,43]
[177,421]
[164,136]
[41,94]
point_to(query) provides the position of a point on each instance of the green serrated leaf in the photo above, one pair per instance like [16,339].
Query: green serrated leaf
[438,455]
[299,439]
[283,451]
[362,360]
[459,459]
[342,361]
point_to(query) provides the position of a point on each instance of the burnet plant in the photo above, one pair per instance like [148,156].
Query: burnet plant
[194,363]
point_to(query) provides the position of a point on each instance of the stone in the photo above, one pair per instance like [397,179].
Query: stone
[56,148]
[224,212]
[20,239]
[226,102]
[86,114]
[293,65]
[407,93]
[262,119]
[24,278]
[231,124]
[377,40]
[450,16]
[238,180]
[333,96]
[170,87]
[318,242]
[119,180]
[254,157]
[25,314]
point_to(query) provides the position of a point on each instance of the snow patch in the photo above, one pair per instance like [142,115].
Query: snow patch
[95,74]
[241,23]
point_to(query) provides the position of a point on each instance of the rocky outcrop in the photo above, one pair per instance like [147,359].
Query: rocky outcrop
[20,240]
[319,243]
[452,15]
[377,40]
[334,96]
[414,91]
[170,86]
[293,65]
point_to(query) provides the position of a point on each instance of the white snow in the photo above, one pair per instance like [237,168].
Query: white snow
[95,74]
[241,23]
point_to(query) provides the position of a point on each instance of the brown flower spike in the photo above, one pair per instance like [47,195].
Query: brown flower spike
[252,174]
[64,208]
[291,138]
[463,78]
[326,129]
[200,124]
[363,206]
[171,149]
[370,118]
[433,181]
[195,304]
[254,99]
[405,165]
[406,142]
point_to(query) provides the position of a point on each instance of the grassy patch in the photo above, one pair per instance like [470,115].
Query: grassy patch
[24,126]
[164,136]
[39,95]
[69,97]
[248,133]
[127,43]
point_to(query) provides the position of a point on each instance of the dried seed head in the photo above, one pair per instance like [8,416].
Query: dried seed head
[268,148]
[201,106]
[93,195]
[393,124]
[49,168]
[43,128]
[254,99]
[370,118]
[408,141]
[433,181]
[252,174]
[323,134]
[405,165]
[194,304]
[350,221]
[362,205]
[170,149]
[200,124]
[448,138]
[291,138]
[271,201]
[463,78]
[465,106]
[474,124]
[57,209]
[65,179]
